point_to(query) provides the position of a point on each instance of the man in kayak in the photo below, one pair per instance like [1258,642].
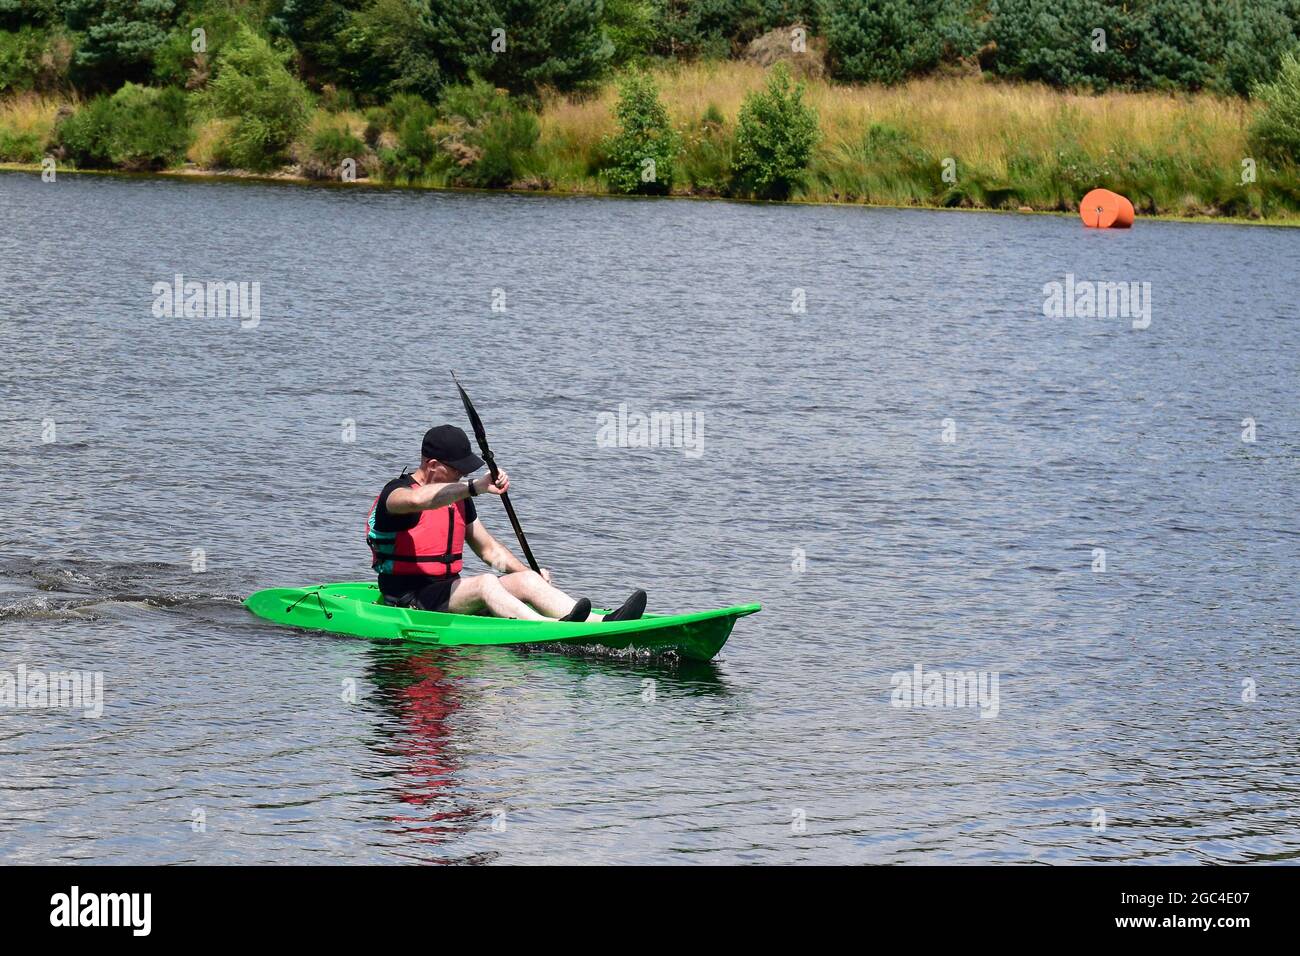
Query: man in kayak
[418,527]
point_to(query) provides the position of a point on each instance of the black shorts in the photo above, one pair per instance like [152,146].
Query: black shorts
[426,597]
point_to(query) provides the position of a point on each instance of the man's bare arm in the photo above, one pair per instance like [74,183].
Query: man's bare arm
[405,501]
[491,551]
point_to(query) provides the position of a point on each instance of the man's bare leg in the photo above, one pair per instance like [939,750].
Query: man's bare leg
[470,595]
[531,587]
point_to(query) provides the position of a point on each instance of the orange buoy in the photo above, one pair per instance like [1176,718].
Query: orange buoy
[1103,209]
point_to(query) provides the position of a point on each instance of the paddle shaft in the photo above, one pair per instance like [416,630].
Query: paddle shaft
[489,459]
[510,512]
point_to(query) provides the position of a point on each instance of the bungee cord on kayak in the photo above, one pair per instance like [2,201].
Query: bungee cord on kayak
[312,593]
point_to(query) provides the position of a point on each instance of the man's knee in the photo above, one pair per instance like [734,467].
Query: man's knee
[488,584]
[526,577]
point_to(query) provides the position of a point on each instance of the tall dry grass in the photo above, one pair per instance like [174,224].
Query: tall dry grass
[26,126]
[1005,145]
[1011,144]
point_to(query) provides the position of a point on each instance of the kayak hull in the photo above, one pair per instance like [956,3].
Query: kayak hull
[355,609]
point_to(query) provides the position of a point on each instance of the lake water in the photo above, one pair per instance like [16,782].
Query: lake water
[919,468]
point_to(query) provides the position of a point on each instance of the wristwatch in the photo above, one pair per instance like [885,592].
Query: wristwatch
[473,492]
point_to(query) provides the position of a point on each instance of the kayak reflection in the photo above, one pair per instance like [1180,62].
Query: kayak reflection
[437,704]
[422,698]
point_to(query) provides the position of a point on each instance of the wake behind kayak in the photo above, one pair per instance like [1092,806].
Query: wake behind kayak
[356,609]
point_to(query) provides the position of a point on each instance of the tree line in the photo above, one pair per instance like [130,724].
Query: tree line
[449,93]
[376,49]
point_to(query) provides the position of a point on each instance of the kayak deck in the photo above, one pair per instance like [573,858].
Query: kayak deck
[355,609]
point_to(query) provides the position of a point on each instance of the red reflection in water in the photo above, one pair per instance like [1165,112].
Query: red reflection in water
[424,698]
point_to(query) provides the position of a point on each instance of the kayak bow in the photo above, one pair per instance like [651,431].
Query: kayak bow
[355,609]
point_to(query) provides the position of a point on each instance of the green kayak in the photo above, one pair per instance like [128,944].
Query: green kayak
[356,609]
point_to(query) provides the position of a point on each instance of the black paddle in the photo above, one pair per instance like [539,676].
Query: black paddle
[477,424]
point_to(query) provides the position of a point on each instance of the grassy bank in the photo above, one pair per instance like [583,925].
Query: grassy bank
[1012,145]
[1001,146]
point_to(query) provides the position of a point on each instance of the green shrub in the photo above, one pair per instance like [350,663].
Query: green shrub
[1275,133]
[413,133]
[333,144]
[641,156]
[506,142]
[150,127]
[86,135]
[485,136]
[137,128]
[389,165]
[775,138]
[327,148]
[400,107]
[269,105]
[477,136]
[471,102]
[410,119]
[20,147]
[377,117]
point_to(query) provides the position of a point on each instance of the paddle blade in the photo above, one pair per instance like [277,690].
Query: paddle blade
[475,422]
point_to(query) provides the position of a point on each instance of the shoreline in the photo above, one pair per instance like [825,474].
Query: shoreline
[287,178]
[940,142]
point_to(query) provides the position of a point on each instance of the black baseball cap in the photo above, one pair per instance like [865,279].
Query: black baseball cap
[450,445]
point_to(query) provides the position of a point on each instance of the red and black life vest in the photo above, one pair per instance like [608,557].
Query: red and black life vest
[432,547]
